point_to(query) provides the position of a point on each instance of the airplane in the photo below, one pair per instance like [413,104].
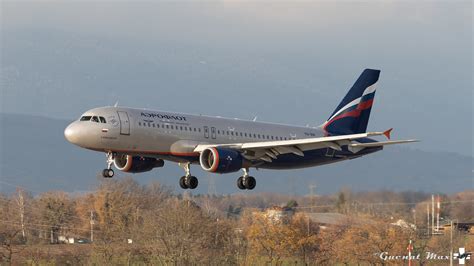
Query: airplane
[139,140]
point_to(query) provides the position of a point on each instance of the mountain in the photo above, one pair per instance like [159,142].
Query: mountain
[35,155]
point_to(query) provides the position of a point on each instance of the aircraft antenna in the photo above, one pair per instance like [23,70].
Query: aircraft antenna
[116,103]
[255,118]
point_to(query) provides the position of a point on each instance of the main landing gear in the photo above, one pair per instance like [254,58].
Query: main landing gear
[108,172]
[246,181]
[187,181]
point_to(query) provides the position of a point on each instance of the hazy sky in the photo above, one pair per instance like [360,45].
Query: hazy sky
[289,62]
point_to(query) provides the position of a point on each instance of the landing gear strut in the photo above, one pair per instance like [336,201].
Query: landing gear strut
[108,172]
[187,181]
[246,181]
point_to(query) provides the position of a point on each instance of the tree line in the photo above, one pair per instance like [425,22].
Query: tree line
[123,222]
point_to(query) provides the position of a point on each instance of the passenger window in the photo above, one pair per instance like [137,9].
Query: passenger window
[95,119]
[140,123]
[180,127]
[102,119]
[199,129]
[172,127]
[168,126]
[153,125]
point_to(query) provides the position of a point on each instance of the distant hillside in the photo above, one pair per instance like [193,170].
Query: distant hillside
[35,155]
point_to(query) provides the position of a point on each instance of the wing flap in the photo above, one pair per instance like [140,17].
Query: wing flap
[382,143]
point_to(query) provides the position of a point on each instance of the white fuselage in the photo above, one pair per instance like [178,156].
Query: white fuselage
[171,136]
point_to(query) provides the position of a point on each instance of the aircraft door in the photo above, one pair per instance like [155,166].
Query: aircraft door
[206,132]
[213,132]
[124,123]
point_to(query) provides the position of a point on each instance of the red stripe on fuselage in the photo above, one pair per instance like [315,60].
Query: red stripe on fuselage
[190,154]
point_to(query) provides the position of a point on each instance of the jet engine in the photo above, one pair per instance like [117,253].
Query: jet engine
[219,160]
[136,164]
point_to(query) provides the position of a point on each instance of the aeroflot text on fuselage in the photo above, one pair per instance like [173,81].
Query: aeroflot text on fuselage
[170,117]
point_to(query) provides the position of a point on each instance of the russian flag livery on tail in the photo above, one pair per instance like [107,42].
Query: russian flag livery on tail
[352,114]
[139,140]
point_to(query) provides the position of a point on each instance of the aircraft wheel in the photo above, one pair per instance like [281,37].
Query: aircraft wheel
[240,183]
[182,182]
[191,182]
[249,182]
[107,173]
[110,173]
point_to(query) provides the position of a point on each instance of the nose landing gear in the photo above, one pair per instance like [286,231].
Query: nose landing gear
[187,181]
[246,181]
[108,172]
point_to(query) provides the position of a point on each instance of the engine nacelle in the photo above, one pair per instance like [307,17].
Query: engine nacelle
[136,164]
[219,160]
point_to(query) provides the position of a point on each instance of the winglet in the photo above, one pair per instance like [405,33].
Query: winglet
[387,132]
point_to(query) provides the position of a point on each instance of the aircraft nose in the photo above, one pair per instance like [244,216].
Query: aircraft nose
[71,133]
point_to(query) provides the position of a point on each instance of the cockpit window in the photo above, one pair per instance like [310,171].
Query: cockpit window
[95,119]
[85,118]
[102,119]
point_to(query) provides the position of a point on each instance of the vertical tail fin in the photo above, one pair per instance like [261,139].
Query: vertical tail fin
[352,114]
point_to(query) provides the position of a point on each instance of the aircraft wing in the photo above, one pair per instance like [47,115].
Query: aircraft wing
[268,150]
